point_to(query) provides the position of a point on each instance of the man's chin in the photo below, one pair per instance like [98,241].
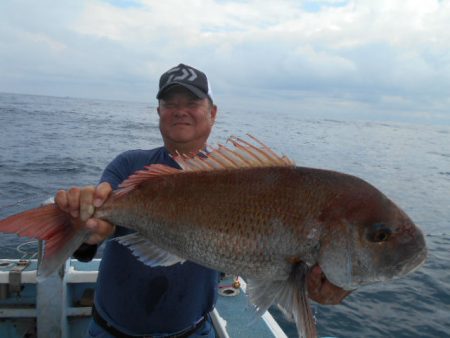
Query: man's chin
[182,138]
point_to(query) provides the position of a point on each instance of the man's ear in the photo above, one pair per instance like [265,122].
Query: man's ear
[157,109]
[213,113]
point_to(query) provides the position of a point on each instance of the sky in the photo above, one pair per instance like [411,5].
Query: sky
[366,59]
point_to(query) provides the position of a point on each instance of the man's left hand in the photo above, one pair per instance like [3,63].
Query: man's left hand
[321,290]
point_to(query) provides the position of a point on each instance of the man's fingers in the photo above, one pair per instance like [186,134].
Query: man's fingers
[316,274]
[61,200]
[86,203]
[73,197]
[102,193]
[81,203]
[105,229]
[100,230]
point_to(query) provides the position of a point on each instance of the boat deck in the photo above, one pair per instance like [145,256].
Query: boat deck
[60,306]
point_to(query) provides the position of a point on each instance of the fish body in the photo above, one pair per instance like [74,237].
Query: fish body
[250,212]
[257,221]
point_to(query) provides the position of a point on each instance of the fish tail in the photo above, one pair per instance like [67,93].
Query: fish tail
[291,297]
[52,225]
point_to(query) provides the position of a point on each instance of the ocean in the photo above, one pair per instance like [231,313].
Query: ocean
[51,143]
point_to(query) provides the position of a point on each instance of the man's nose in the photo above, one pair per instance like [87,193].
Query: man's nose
[180,110]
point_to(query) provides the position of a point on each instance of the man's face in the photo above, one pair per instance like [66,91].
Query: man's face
[185,120]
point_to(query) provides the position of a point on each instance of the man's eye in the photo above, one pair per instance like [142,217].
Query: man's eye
[193,104]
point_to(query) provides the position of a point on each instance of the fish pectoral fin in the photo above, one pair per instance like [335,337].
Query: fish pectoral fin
[147,252]
[290,295]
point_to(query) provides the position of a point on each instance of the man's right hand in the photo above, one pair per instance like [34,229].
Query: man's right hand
[80,203]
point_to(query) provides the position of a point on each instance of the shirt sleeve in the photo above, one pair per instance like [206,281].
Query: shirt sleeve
[117,171]
[86,252]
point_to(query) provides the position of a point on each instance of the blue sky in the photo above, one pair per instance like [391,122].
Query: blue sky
[360,59]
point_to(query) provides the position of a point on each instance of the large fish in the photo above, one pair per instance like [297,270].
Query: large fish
[248,211]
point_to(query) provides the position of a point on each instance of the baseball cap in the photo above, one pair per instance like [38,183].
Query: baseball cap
[188,77]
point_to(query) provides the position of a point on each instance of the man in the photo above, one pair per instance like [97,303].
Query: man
[131,298]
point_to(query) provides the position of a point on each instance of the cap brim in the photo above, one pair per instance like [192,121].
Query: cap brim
[194,90]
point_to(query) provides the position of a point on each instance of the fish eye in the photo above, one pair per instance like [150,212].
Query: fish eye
[379,233]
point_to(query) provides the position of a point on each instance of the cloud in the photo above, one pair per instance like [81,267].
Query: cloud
[282,53]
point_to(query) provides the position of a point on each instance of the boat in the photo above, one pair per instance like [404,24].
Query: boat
[60,306]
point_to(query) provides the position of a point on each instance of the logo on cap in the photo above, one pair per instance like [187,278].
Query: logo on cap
[183,72]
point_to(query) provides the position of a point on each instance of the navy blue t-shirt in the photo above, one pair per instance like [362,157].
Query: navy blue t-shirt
[140,300]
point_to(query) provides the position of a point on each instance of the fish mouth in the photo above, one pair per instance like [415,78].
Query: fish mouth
[353,281]
[415,263]
[399,270]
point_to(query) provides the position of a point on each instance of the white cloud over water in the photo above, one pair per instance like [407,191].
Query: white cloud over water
[370,59]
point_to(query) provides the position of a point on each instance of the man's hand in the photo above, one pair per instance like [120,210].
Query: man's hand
[80,203]
[321,290]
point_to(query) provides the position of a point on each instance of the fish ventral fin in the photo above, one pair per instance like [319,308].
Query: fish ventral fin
[241,154]
[290,295]
[147,252]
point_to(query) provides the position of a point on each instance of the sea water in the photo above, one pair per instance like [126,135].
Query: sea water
[50,143]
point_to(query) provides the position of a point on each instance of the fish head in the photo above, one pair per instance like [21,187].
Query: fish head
[369,240]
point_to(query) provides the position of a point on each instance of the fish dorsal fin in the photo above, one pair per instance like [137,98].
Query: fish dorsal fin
[243,155]
[149,172]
